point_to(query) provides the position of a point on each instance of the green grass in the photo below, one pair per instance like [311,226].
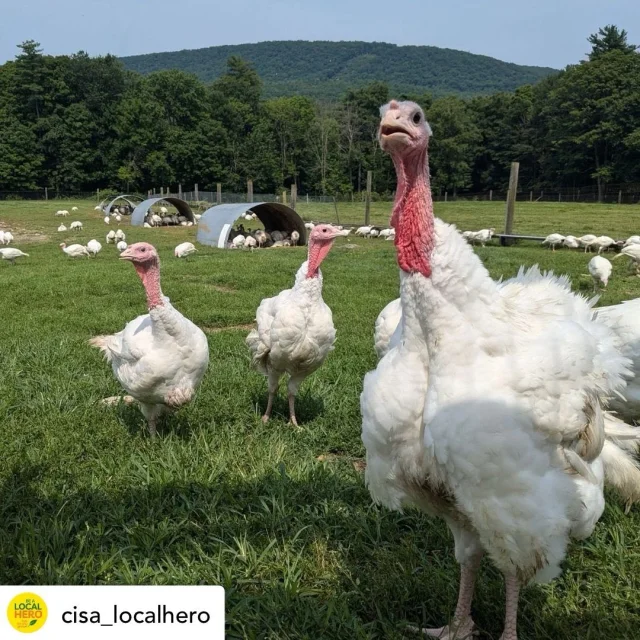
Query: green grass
[219,498]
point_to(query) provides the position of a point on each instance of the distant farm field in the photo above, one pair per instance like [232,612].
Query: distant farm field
[279,517]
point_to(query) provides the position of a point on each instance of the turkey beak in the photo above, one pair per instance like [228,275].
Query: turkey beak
[127,254]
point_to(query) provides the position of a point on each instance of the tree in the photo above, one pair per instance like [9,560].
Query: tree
[454,143]
[609,38]
[20,159]
[591,114]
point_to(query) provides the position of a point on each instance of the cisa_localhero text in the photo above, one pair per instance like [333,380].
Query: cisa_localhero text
[161,615]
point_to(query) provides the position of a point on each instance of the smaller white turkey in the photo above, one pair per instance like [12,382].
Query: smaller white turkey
[161,357]
[121,246]
[62,228]
[118,218]
[75,250]
[385,233]
[295,238]
[120,237]
[571,242]
[74,208]
[238,241]
[76,226]
[632,240]
[94,247]
[111,237]
[146,225]
[309,225]
[295,331]
[374,233]
[163,211]
[600,269]
[183,250]
[387,329]
[107,220]
[631,251]
[586,241]
[250,242]
[261,237]
[248,216]
[11,254]
[6,237]
[363,231]
[603,242]
[554,240]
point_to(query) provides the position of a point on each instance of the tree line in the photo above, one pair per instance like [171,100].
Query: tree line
[77,123]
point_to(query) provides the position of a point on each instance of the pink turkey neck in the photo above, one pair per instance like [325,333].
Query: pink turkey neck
[412,216]
[150,276]
[318,250]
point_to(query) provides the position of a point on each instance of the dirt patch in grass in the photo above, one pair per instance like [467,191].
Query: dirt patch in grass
[359,464]
[231,327]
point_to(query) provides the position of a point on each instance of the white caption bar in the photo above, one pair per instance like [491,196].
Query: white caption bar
[128,613]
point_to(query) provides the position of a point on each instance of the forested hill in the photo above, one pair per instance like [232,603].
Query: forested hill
[325,70]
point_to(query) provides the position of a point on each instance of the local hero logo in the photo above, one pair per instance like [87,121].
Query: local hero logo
[27,612]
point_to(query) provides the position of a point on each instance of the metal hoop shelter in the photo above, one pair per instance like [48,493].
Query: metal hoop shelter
[107,207]
[216,222]
[140,212]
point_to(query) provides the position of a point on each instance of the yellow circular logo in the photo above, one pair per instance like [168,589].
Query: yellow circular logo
[27,612]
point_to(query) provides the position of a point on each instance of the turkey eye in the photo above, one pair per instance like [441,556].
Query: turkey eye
[416,118]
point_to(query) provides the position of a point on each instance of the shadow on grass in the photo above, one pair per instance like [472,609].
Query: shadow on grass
[263,540]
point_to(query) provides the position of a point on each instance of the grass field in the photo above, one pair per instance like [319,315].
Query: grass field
[279,517]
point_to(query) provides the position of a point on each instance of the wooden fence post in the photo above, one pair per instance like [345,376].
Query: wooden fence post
[559,197]
[620,196]
[284,197]
[195,188]
[294,196]
[530,196]
[490,195]
[219,193]
[511,201]
[180,190]
[249,190]
[367,202]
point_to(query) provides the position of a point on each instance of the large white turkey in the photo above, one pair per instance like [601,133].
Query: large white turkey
[75,250]
[161,357]
[488,412]
[295,331]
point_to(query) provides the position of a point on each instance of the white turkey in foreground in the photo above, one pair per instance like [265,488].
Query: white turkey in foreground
[11,254]
[161,357]
[295,331]
[488,412]
[600,269]
[183,250]
[94,247]
[75,250]
[121,246]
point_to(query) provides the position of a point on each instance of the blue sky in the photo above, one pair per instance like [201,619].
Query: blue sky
[546,33]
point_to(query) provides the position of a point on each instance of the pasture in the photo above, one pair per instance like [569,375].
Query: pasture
[280,517]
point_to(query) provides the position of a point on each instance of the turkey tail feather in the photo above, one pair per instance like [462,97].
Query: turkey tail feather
[621,467]
[102,343]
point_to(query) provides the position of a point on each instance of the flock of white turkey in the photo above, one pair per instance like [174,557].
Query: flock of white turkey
[489,406]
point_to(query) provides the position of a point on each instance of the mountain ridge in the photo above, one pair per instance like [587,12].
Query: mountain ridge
[326,69]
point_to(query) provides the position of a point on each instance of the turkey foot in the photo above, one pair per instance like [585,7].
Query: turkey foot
[292,410]
[462,629]
[111,400]
[458,630]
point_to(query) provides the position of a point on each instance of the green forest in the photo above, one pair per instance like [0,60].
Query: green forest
[326,70]
[77,123]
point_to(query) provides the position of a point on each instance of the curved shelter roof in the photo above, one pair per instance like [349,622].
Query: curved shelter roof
[216,222]
[140,212]
[123,197]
